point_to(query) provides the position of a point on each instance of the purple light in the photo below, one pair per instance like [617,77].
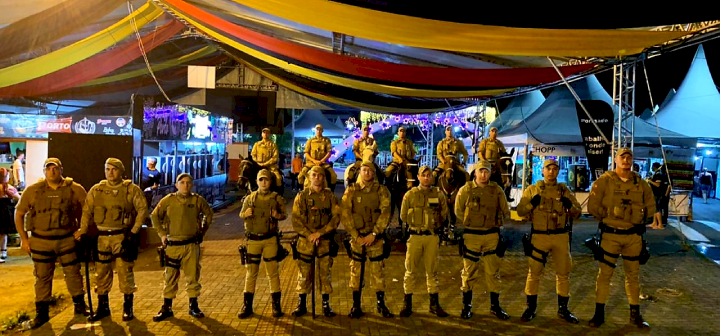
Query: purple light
[397,118]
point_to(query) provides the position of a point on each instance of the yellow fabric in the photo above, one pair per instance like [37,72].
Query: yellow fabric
[338,80]
[200,53]
[630,245]
[472,38]
[80,50]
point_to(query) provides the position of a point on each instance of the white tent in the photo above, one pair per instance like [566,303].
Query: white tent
[305,125]
[695,108]
[521,107]
[648,114]
[555,122]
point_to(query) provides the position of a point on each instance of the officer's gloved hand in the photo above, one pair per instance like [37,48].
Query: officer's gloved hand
[535,201]
[567,204]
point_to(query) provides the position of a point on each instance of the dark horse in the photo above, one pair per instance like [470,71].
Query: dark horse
[247,177]
[449,183]
[398,184]
[502,172]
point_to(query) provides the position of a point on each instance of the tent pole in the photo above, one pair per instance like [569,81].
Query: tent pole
[526,164]
[292,137]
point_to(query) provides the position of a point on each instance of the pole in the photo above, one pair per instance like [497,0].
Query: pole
[313,264]
[292,137]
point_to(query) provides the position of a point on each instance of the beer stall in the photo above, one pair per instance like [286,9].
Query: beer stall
[185,140]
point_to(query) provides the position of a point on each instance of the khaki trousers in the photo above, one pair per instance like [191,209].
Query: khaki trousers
[559,246]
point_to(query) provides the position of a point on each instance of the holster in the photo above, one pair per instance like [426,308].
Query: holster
[501,247]
[386,248]
[644,253]
[461,246]
[86,249]
[161,255]
[593,243]
[129,247]
[334,246]
[527,244]
[242,249]
[293,246]
[282,251]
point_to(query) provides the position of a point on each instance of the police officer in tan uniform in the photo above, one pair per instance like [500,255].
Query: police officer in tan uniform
[449,150]
[262,210]
[481,208]
[549,205]
[363,145]
[118,208]
[181,220]
[623,202]
[316,215]
[265,154]
[366,214]
[424,209]
[403,151]
[317,152]
[490,148]
[53,207]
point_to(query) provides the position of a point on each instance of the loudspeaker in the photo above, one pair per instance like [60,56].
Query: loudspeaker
[138,103]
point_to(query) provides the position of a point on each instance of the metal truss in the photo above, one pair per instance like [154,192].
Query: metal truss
[624,105]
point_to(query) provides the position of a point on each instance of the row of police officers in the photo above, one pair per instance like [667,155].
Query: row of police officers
[620,199]
[58,212]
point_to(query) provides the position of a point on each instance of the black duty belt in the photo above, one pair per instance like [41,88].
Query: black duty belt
[550,232]
[111,232]
[182,242]
[328,235]
[253,236]
[421,233]
[35,235]
[481,232]
[637,229]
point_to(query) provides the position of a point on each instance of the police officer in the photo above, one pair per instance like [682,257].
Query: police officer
[262,210]
[361,145]
[448,149]
[317,152]
[424,209]
[316,215]
[481,209]
[490,148]
[181,220]
[549,205]
[265,154]
[110,205]
[366,214]
[53,207]
[622,201]
[402,150]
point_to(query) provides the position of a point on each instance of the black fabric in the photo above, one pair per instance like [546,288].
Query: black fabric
[664,183]
[35,235]
[150,178]
[481,232]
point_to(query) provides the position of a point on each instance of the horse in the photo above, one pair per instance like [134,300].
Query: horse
[247,177]
[353,171]
[501,172]
[398,184]
[449,183]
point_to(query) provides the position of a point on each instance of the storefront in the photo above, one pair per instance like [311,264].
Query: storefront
[184,140]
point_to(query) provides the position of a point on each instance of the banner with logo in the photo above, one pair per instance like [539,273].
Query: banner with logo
[107,125]
[37,126]
[597,150]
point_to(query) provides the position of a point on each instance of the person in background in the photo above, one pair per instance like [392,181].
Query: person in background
[8,194]
[636,168]
[706,184]
[151,176]
[297,164]
[19,171]
[660,184]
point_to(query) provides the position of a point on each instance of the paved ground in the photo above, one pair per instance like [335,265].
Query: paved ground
[681,287]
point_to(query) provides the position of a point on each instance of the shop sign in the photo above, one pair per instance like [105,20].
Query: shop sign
[597,150]
[56,126]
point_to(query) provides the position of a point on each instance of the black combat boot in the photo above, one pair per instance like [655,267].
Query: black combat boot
[327,311]
[195,309]
[356,311]
[381,307]
[495,307]
[80,306]
[128,308]
[246,309]
[599,317]
[563,311]
[529,313]
[407,308]
[466,312]
[42,314]
[636,318]
[301,308]
[276,308]
[435,306]
[103,309]
[165,312]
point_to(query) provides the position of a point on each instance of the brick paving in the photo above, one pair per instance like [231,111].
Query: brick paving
[682,288]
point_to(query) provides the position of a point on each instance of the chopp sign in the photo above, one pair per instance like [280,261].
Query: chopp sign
[57,126]
[545,150]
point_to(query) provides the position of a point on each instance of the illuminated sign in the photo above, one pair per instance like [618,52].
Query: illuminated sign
[57,126]
[201,126]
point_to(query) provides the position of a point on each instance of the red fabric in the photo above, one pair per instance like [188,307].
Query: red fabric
[400,73]
[129,84]
[93,67]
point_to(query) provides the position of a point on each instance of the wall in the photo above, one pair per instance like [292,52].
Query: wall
[35,156]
